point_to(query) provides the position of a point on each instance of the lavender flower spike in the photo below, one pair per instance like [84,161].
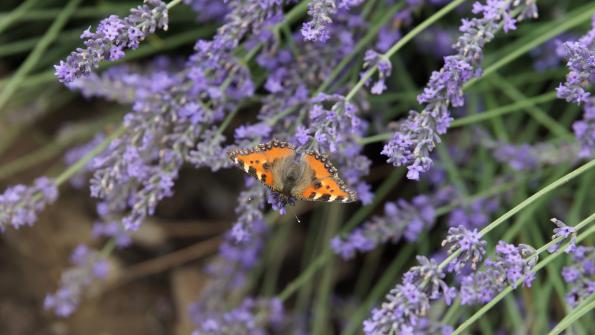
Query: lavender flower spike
[88,266]
[580,57]
[419,134]
[563,231]
[111,37]
[20,204]
[470,244]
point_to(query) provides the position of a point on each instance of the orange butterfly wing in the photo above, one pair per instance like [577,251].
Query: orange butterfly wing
[328,186]
[258,161]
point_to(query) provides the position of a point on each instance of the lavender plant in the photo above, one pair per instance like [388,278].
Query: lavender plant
[161,92]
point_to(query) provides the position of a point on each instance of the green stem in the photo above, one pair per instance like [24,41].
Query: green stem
[585,307]
[563,180]
[538,267]
[16,14]
[540,36]
[402,42]
[359,216]
[37,52]
[479,117]
[538,115]
[81,163]
[371,34]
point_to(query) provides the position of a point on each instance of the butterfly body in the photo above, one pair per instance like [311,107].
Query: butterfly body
[306,176]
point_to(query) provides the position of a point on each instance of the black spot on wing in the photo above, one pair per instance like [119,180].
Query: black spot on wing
[325,197]
[252,171]
[312,195]
[263,178]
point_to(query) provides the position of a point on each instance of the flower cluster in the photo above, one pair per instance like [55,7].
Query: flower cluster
[322,12]
[550,54]
[20,204]
[584,130]
[581,275]
[88,265]
[580,58]
[474,215]
[468,243]
[208,10]
[251,317]
[408,304]
[373,59]
[420,132]
[401,219]
[563,232]
[79,180]
[510,264]
[111,37]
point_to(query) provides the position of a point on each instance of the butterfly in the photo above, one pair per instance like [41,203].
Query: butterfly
[306,176]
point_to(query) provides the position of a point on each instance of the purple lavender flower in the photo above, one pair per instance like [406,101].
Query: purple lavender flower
[420,132]
[251,317]
[436,41]
[88,265]
[279,201]
[111,37]
[549,55]
[580,274]
[20,204]
[580,57]
[373,59]
[73,155]
[321,12]
[400,219]
[510,264]
[563,232]
[584,130]
[209,151]
[249,209]
[408,303]
[471,246]
[208,10]
[475,215]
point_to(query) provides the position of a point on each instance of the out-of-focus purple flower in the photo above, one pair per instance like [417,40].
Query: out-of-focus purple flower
[88,266]
[584,130]
[580,59]
[209,151]
[400,219]
[111,37]
[208,10]
[321,13]
[251,317]
[373,59]
[469,242]
[436,41]
[550,54]
[510,264]
[475,215]
[279,201]
[73,155]
[563,232]
[519,157]
[20,204]
[420,132]
[580,274]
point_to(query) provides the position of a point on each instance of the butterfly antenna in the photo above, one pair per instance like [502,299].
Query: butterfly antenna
[297,219]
